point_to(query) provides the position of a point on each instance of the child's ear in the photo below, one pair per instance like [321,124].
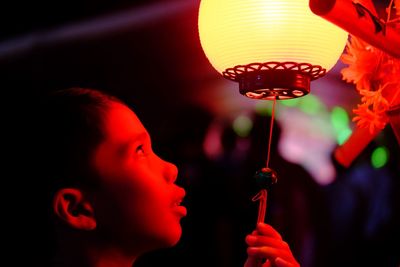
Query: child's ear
[70,206]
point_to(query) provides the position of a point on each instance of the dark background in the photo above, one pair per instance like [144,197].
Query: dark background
[148,53]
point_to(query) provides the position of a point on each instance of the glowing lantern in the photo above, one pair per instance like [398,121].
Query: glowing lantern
[272,48]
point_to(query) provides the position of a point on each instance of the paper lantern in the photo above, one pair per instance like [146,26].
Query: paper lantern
[272,48]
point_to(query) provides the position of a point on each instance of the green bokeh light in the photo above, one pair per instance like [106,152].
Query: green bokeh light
[291,102]
[343,135]
[242,125]
[310,104]
[340,123]
[339,118]
[264,108]
[379,157]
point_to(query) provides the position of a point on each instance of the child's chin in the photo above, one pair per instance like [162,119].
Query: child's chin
[173,238]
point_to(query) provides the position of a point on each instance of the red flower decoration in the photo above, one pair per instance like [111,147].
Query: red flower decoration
[375,74]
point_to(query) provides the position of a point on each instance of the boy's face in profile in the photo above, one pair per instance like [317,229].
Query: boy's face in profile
[137,202]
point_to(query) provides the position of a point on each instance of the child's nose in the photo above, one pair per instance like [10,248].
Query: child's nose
[170,172]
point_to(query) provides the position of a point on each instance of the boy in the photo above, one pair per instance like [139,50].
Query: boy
[109,197]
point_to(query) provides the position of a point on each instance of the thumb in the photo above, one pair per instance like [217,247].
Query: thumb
[267,263]
[279,262]
[251,262]
[256,262]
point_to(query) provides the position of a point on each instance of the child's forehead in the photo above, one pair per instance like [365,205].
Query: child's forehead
[121,123]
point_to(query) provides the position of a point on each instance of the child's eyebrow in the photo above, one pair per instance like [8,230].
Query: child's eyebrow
[125,147]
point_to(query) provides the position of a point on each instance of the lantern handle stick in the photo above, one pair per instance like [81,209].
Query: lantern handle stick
[263,193]
[262,207]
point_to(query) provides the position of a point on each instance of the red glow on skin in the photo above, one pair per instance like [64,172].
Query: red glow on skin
[135,206]
[139,202]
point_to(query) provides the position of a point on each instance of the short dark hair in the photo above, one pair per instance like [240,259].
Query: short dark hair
[65,127]
[70,127]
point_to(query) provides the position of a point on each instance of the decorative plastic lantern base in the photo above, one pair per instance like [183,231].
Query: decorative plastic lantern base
[274,80]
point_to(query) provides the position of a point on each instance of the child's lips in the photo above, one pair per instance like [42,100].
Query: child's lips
[178,208]
[177,203]
[181,210]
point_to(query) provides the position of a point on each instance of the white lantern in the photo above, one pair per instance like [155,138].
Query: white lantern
[272,48]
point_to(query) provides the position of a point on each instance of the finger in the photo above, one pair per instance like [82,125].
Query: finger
[267,263]
[269,253]
[267,230]
[279,262]
[251,262]
[259,241]
[255,262]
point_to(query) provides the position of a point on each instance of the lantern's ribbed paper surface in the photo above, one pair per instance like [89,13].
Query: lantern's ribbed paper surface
[239,32]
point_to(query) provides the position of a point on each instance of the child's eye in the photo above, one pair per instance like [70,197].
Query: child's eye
[140,150]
